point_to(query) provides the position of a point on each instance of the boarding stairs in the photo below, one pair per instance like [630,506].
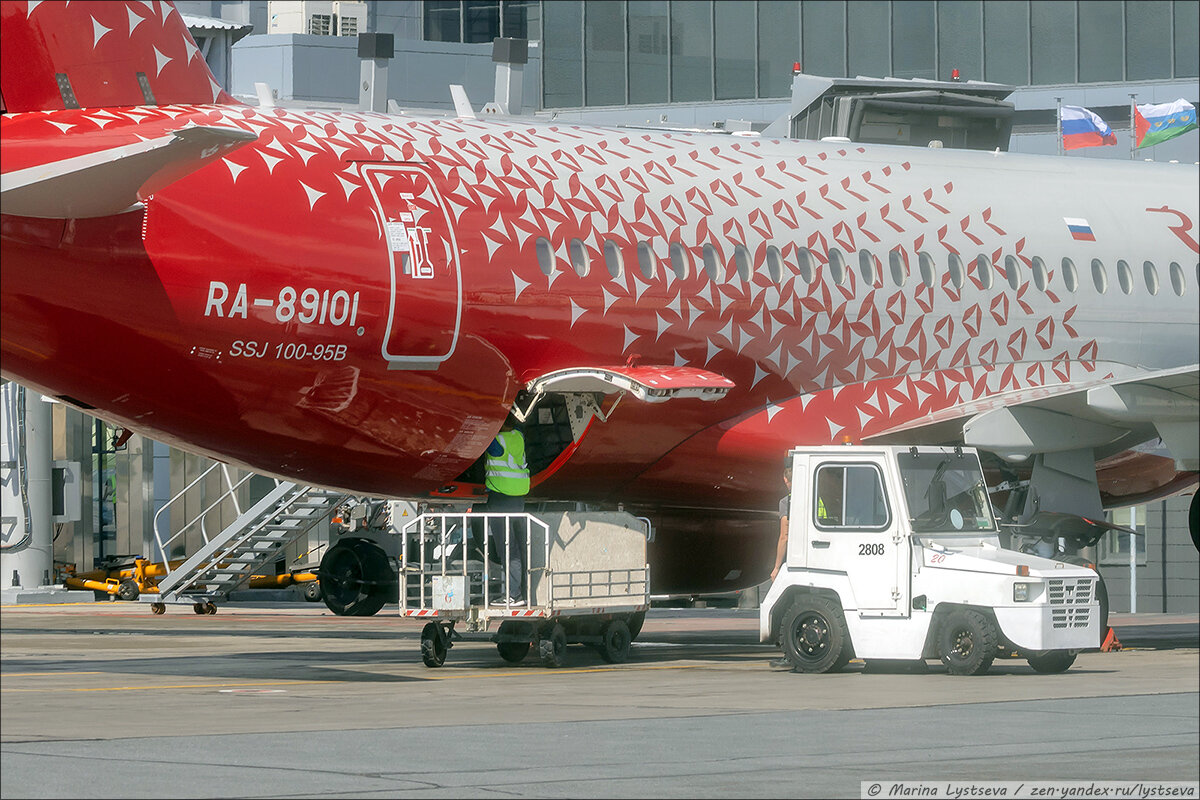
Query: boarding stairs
[257,537]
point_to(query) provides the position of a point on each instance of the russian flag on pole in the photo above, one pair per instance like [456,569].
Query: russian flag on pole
[1083,128]
[1155,124]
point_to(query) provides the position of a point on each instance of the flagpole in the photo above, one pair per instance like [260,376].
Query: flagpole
[1132,125]
[1058,122]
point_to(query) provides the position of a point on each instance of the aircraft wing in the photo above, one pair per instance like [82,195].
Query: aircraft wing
[1106,415]
[113,179]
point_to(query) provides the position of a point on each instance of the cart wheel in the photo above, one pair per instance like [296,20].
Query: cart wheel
[158,608]
[552,647]
[210,607]
[616,641]
[433,646]
[513,652]
[200,608]
[312,591]
[635,624]
[128,590]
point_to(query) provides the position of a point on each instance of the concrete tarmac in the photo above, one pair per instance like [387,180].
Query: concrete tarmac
[104,700]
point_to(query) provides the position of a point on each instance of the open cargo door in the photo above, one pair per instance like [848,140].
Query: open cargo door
[559,407]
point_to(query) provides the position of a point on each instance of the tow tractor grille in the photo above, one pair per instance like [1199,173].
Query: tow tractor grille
[1069,600]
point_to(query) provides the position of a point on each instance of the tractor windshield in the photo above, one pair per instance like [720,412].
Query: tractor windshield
[945,492]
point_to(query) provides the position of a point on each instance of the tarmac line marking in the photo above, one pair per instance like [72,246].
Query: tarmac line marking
[42,674]
[175,686]
[531,673]
[19,606]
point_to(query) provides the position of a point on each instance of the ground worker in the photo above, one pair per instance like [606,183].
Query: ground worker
[507,482]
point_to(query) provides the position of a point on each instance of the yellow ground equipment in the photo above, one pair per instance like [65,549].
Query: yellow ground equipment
[128,579]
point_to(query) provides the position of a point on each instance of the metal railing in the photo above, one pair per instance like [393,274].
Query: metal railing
[439,544]
[599,584]
[199,522]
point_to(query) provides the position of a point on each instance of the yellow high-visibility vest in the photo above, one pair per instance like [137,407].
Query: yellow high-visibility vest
[507,472]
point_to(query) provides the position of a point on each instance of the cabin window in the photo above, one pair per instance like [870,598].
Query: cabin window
[1010,270]
[1070,275]
[774,264]
[645,260]
[679,260]
[1177,283]
[925,265]
[866,267]
[545,255]
[850,496]
[579,257]
[983,271]
[741,259]
[804,264]
[956,271]
[1099,275]
[899,268]
[612,259]
[1124,277]
[1151,273]
[712,262]
[1040,278]
[837,266]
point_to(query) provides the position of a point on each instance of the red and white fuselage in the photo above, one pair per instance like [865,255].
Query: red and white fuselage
[355,300]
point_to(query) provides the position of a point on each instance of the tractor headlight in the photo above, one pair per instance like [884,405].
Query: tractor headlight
[1020,592]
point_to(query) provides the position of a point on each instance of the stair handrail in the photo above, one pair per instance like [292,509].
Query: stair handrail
[194,573]
[230,492]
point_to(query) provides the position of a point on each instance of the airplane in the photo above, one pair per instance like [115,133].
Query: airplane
[358,300]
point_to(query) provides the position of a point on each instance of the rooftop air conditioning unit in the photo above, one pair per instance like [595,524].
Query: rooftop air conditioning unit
[327,18]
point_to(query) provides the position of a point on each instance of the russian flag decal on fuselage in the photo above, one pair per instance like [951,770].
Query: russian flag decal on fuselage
[1080,230]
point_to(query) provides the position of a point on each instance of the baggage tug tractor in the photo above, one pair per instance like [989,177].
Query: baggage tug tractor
[894,553]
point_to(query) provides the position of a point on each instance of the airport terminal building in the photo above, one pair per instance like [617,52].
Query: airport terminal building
[703,63]
[726,65]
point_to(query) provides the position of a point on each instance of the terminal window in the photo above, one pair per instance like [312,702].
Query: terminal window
[1113,548]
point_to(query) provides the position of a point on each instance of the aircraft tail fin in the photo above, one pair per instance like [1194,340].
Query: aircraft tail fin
[100,55]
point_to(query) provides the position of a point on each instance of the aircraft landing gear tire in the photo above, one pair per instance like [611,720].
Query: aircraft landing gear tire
[552,646]
[967,642]
[616,641]
[1052,661]
[433,645]
[158,608]
[355,578]
[814,635]
[1194,519]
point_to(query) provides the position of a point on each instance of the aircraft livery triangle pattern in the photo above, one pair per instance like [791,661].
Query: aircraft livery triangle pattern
[813,360]
[97,55]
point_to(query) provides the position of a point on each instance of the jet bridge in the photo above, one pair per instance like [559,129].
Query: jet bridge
[971,115]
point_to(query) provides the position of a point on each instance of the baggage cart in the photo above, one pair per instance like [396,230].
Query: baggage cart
[583,577]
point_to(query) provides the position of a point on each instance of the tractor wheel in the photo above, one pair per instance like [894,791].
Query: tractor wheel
[967,642]
[814,635]
[1052,661]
